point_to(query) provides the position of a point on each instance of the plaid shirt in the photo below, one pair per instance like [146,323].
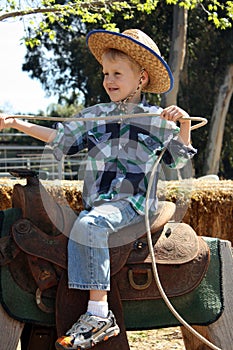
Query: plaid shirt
[121,153]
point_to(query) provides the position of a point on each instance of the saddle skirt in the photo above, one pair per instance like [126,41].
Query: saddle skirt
[182,259]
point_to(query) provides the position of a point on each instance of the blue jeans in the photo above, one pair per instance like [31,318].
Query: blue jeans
[88,252]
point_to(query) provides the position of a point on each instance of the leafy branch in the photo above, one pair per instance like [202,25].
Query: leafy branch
[102,12]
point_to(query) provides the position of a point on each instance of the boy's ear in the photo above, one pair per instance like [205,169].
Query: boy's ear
[145,78]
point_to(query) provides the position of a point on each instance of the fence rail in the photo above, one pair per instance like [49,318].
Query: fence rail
[38,158]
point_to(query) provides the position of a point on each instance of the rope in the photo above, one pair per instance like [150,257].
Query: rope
[154,264]
[201,121]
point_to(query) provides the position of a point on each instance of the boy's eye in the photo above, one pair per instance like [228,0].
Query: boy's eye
[105,74]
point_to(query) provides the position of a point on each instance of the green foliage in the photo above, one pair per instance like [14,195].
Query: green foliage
[64,110]
[104,12]
[65,69]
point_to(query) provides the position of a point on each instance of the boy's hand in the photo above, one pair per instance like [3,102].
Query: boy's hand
[174,113]
[6,121]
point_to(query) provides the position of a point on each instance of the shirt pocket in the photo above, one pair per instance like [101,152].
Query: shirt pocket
[147,147]
[99,145]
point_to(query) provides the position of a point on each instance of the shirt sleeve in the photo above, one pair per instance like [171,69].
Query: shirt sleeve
[70,139]
[177,154]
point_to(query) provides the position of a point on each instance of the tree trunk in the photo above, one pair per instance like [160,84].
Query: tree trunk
[176,62]
[214,144]
[177,52]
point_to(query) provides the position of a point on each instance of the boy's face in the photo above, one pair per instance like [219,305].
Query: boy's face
[121,78]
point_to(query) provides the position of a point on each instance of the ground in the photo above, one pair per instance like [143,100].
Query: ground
[164,338]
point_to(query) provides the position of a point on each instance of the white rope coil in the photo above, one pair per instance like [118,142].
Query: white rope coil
[201,121]
[154,264]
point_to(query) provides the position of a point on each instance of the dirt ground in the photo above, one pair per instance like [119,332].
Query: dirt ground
[164,338]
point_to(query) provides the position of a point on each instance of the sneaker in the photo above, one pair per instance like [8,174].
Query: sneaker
[88,331]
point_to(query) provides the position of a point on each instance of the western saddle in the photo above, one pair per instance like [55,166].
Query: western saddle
[35,251]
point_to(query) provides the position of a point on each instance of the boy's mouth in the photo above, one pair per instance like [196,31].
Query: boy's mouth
[111,89]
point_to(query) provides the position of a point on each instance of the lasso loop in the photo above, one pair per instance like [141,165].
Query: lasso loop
[154,264]
[201,121]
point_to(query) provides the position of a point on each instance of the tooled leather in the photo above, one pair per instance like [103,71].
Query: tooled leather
[177,244]
[176,279]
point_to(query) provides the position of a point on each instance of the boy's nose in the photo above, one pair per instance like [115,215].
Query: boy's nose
[110,78]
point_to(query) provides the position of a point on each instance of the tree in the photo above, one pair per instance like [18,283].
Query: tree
[210,53]
[67,70]
[177,52]
[214,145]
[105,13]
[94,11]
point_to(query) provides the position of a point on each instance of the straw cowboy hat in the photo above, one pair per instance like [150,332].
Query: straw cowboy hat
[140,47]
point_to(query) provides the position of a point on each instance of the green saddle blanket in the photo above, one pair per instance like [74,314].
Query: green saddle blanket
[200,307]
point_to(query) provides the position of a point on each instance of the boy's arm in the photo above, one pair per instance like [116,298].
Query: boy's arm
[37,131]
[174,113]
[185,135]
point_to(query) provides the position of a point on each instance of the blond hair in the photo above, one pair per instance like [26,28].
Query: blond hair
[114,54]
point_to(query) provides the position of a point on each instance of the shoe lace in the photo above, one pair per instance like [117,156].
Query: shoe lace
[84,321]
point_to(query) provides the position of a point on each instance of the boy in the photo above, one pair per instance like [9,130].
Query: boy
[121,154]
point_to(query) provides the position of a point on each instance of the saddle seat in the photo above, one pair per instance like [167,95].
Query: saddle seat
[33,241]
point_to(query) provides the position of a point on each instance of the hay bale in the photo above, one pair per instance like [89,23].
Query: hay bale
[65,192]
[6,189]
[207,206]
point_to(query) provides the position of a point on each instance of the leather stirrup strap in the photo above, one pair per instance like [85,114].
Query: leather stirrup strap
[72,303]
[8,250]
